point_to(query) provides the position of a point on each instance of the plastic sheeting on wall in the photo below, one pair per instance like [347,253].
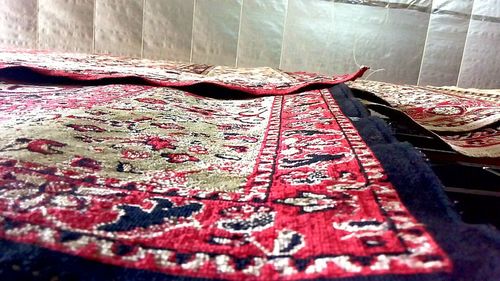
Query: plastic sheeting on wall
[440,42]
[168,29]
[113,37]
[66,25]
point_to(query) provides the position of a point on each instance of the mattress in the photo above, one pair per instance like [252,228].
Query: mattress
[119,169]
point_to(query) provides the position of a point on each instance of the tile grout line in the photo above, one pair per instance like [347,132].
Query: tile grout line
[192,33]
[93,26]
[37,25]
[142,27]
[284,30]
[239,33]
[425,46]
[465,44]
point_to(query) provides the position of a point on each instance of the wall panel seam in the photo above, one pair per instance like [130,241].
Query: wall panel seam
[465,45]
[284,30]
[192,32]
[94,25]
[142,27]
[425,47]
[239,33]
[37,25]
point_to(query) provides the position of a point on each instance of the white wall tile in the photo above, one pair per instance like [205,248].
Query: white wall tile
[297,35]
[308,39]
[490,8]
[326,36]
[66,25]
[118,27]
[168,29]
[215,31]
[18,20]
[261,33]
[398,47]
[445,42]
[462,6]
[357,31]
[481,60]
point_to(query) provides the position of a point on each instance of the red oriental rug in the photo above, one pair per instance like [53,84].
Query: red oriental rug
[484,142]
[438,109]
[255,81]
[157,179]
[466,119]
[481,142]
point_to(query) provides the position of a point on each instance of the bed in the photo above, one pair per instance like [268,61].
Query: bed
[125,169]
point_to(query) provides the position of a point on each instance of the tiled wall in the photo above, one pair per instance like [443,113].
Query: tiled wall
[440,42]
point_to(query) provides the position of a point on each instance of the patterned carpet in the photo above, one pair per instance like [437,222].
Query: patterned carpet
[236,180]
[467,120]
[83,67]
[141,182]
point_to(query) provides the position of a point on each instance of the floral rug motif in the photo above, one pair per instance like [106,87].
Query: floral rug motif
[492,95]
[152,178]
[255,81]
[484,142]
